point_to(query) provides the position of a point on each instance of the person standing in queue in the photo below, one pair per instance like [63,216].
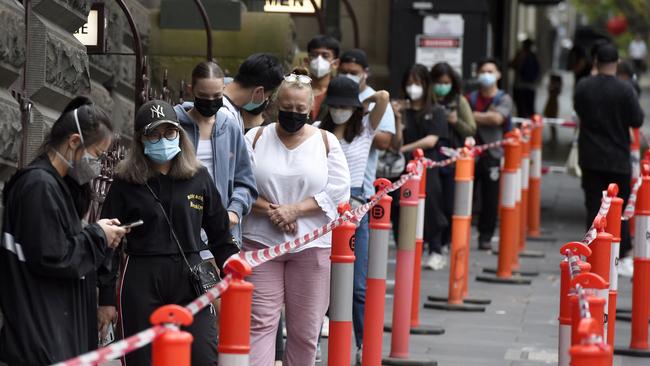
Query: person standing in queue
[492,112]
[163,184]
[323,60]
[355,131]
[447,93]
[256,80]
[425,127]
[302,177]
[219,143]
[46,251]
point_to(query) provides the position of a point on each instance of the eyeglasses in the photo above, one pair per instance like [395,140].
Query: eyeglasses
[300,79]
[169,134]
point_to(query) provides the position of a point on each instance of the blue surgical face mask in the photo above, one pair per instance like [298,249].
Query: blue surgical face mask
[251,106]
[487,79]
[163,150]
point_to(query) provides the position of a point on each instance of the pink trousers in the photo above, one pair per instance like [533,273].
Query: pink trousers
[301,282]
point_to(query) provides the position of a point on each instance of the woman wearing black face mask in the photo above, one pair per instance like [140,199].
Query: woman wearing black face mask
[46,256]
[302,176]
[219,144]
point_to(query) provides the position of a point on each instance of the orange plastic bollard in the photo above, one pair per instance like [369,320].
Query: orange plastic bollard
[419,242]
[235,316]
[597,291]
[460,242]
[600,261]
[535,181]
[564,340]
[591,350]
[613,227]
[401,326]
[373,323]
[525,175]
[509,216]
[635,157]
[174,346]
[639,346]
[341,283]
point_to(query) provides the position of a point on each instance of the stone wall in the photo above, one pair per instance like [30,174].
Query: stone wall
[58,68]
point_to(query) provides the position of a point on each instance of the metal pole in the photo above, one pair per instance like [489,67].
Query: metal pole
[355,22]
[137,44]
[208,27]
[319,17]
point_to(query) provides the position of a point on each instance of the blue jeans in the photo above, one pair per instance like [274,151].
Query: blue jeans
[360,273]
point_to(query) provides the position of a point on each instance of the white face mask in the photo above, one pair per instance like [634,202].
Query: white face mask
[341,115]
[414,91]
[355,78]
[319,67]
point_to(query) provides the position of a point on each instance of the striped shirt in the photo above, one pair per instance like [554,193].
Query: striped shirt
[356,152]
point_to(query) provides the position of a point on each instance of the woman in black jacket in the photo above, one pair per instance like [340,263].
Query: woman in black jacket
[47,257]
[163,184]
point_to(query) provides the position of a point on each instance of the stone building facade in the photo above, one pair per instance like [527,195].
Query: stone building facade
[57,68]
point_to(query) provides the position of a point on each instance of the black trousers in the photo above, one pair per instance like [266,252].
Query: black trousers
[525,101]
[593,184]
[448,187]
[487,180]
[152,281]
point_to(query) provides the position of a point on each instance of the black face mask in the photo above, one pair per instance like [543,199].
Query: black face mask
[207,107]
[257,111]
[291,121]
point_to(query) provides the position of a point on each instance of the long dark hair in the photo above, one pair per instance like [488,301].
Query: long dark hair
[420,73]
[94,124]
[438,71]
[353,126]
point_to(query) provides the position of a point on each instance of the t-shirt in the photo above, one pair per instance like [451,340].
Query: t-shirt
[421,124]
[387,124]
[315,109]
[488,134]
[286,176]
[356,152]
[205,156]
[607,108]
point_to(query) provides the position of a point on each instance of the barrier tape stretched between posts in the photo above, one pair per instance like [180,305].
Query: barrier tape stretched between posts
[548,121]
[631,202]
[258,257]
[602,212]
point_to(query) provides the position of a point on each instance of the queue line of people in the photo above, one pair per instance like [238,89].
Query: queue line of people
[244,166]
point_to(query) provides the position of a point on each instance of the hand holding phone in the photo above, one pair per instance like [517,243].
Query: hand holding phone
[132,224]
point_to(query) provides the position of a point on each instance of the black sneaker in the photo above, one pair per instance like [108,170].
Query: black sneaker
[484,245]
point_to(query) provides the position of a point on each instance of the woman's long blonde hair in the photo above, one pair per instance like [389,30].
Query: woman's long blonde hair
[137,168]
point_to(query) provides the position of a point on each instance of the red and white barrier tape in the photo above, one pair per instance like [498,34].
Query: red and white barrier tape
[605,203]
[547,121]
[117,349]
[628,213]
[256,258]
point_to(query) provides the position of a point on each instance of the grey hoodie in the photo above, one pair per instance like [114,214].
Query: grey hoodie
[233,174]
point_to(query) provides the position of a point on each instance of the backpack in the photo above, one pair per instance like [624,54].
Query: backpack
[473,98]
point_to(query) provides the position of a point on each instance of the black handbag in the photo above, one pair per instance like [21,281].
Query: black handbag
[203,275]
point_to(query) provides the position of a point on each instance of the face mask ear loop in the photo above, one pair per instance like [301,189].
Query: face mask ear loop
[76,120]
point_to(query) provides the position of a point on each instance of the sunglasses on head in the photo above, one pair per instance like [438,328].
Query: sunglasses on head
[300,79]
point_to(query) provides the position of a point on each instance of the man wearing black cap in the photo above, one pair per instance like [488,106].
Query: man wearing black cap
[607,108]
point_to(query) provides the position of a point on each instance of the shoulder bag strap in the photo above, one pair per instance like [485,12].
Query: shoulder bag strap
[326,141]
[258,134]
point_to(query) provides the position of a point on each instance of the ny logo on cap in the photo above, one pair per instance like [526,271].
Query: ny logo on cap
[157,111]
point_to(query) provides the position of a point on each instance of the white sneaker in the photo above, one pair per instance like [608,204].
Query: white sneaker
[626,267]
[359,357]
[436,261]
[325,330]
[319,354]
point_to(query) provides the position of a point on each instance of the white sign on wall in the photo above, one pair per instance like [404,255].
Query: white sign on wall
[291,6]
[441,41]
[91,34]
[430,50]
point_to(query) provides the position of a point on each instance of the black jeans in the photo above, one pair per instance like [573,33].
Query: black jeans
[487,179]
[448,185]
[593,184]
[525,101]
[153,281]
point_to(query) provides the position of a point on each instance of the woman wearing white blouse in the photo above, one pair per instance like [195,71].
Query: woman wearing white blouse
[302,176]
